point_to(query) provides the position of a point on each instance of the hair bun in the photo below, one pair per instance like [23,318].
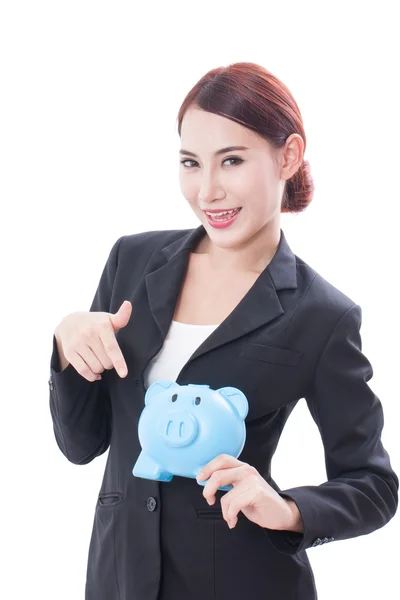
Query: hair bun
[299,190]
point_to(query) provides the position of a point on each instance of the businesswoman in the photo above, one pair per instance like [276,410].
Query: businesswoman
[225,304]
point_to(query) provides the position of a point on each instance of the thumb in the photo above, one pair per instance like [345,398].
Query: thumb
[121,318]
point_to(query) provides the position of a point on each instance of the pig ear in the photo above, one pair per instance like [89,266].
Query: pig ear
[237,399]
[157,388]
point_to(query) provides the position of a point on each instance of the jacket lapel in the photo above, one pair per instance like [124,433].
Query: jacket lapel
[258,307]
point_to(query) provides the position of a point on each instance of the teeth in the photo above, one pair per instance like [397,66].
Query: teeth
[227,212]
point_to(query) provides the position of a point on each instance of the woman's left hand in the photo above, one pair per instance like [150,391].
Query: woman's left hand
[250,494]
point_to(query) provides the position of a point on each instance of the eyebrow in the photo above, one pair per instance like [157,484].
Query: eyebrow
[221,151]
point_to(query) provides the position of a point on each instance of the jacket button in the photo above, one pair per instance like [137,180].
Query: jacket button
[317,542]
[151,504]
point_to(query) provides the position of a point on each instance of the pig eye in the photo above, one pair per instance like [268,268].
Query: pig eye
[198,400]
[174,397]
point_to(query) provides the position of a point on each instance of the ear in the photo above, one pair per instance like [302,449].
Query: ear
[157,388]
[237,399]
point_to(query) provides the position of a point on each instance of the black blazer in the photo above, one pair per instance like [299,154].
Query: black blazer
[292,336]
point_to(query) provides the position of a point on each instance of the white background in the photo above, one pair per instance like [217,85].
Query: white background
[90,93]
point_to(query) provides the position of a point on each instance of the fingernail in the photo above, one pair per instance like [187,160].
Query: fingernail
[200,476]
[122,372]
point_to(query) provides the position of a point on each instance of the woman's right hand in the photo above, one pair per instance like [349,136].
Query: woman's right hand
[87,341]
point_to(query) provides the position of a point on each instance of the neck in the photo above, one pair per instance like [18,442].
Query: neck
[252,256]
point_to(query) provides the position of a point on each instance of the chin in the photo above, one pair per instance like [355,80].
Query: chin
[225,239]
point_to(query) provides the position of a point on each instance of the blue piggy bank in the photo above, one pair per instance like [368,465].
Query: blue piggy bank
[183,427]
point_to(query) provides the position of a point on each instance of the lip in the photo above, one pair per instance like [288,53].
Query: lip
[222,224]
[217,210]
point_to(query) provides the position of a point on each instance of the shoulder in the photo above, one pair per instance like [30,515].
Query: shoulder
[148,241]
[155,238]
[162,236]
[139,253]
[323,301]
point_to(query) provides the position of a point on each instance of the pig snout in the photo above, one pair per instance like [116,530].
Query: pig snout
[178,428]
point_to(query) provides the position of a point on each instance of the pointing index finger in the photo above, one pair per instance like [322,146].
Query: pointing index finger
[114,351]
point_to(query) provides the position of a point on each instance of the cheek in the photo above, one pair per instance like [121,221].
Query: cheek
[188,188]
[258,183]
[248,184]
[263,193]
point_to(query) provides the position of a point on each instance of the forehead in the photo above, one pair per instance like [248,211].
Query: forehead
[202,129]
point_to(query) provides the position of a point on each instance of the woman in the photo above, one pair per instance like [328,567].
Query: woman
[226,304]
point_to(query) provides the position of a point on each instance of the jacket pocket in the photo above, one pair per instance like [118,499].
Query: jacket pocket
[271,354]
[110,498]
[213,513]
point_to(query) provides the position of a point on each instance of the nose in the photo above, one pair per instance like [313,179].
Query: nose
[178,428]
[209,189]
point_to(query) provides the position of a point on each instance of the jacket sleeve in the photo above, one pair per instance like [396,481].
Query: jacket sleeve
[81,409]
[361,493]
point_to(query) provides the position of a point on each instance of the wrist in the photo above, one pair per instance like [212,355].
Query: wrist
[293,520]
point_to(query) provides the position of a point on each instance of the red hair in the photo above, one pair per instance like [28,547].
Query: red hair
[252,96]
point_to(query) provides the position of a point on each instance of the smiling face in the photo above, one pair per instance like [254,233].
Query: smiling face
[252,178]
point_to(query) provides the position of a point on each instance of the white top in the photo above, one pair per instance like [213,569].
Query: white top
[181,342]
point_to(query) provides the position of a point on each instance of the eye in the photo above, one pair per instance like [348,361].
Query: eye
[185,161]
[235,158]
[174,397]
[198,400]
